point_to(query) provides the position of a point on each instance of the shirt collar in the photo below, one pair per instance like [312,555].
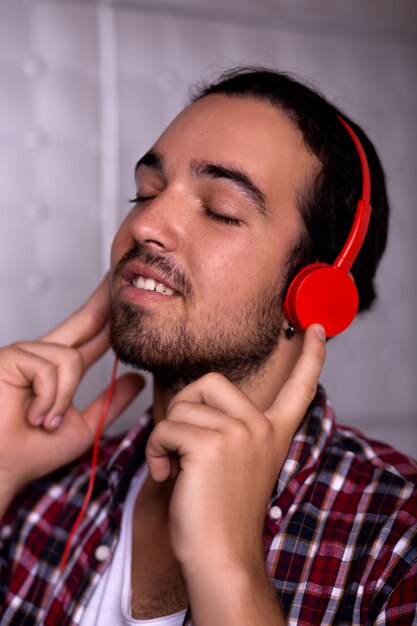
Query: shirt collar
[127,456]
[308,445]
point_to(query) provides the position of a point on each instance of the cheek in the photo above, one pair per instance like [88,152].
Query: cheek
[238,272]
[122,242]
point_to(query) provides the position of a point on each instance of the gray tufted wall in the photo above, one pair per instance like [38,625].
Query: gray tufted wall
[85,88]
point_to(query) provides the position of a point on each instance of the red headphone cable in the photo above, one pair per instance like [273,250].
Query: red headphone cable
[94,459]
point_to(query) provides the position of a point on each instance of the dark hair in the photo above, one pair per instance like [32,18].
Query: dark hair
[328,205]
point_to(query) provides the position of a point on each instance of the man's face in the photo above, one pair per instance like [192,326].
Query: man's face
[198,265]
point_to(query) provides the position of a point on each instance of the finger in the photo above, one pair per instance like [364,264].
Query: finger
[86,322]
[78,430]
[217,391]
[68,368]
[35,374]
[173,437]
[70,373]
[96,347]
[207,417]
[300,388]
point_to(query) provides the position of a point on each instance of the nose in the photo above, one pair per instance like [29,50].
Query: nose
[156,223]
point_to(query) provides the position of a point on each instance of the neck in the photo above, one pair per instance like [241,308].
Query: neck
[261,387]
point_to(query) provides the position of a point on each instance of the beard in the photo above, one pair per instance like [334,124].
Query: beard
[235,341]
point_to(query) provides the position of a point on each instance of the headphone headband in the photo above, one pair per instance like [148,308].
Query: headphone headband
[360,224]
[326,294]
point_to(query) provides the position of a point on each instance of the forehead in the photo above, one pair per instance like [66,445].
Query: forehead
[242,132]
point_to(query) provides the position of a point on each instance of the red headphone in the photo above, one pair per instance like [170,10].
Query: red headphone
[326,294]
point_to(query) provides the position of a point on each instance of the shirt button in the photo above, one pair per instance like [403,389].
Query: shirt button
[275,512]
[102,553]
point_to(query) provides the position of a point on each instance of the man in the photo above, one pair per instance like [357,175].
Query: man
[253,507]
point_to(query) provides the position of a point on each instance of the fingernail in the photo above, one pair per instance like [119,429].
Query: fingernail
[320,332]
[37,421]
[56,421]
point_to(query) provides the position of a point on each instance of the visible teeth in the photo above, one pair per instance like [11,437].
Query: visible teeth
[149,284]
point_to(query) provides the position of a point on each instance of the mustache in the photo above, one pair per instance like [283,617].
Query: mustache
[165,266]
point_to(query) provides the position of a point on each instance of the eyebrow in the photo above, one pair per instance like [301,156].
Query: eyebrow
[205,169]
[236,176]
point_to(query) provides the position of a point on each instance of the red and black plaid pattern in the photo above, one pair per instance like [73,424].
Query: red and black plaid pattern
[340,533]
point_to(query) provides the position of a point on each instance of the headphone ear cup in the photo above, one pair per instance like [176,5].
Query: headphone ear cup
[323,294]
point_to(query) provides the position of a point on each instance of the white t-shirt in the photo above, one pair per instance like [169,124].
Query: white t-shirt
[111,601]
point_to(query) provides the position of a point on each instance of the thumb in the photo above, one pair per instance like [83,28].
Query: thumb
[298,391]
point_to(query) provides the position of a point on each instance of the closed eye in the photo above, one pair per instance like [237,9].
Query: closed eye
[140,199]
[224,219]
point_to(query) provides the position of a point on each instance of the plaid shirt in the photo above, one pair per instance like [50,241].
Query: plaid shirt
[340,531]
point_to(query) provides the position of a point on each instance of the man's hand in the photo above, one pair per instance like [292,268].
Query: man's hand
[226,456]
[40,429]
